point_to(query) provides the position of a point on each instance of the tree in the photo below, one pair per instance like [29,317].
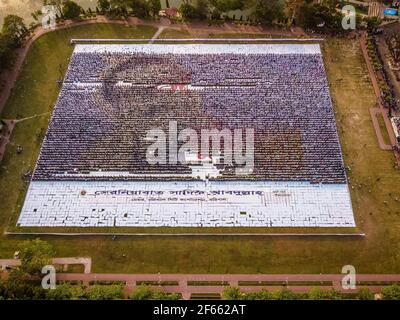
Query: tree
[105,292]
[261,295]
[371,22]
[56,3]
[6,52]
[228,5]
[14,29]
[187,11]
[3,290]
[21,285]
[71,10]
[324,14]
[104,5]
[365,294]
[139,8]
[159,295]
[284,294]
[66,291]
[119,7]
[267,12]
[291,9]
[142,292]
[35,254]
[154,7]
[25,282]
[202,8]
[231,293]
[391,292]
[319,294]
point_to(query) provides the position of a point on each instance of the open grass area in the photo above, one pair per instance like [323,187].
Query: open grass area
[169,33]
[374,181]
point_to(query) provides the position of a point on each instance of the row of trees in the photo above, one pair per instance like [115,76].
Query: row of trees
[325,14]
[140,8]
[391,292]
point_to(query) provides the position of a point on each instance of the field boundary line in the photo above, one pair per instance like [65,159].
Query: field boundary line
[75,41]
[122,234]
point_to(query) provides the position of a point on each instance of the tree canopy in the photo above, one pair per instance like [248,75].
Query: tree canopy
[35,254]
[71,10]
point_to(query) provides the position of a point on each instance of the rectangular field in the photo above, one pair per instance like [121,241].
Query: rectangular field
[93,168]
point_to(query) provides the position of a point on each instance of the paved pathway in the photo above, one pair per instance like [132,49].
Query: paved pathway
[275,281]
[86,262]
[158,32]
[189,284]
[375,112]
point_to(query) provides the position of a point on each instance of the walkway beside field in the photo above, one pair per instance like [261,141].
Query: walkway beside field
[65,262]
[211,284]
[192,284]
[380,109]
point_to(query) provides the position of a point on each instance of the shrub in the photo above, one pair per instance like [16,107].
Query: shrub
[319,294]
[142,292]
[391,292]
[284,294]
[65,291]
[145,292]
[365,294]
[231,293]
[100,292]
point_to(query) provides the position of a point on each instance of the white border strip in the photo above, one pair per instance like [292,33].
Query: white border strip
[200,49]
[75,41]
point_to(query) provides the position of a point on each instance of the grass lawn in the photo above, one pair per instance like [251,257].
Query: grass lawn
[373,181]
[169,33]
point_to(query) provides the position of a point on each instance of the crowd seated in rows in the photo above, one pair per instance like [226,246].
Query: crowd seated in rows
[109,101]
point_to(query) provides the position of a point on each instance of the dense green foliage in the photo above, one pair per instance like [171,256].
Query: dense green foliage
[144,292]
[12,35]
[71,10]
[391,292]
[234,293]
[34,255]
[122,8]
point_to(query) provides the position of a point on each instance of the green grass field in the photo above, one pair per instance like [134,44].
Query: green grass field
[374,181]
